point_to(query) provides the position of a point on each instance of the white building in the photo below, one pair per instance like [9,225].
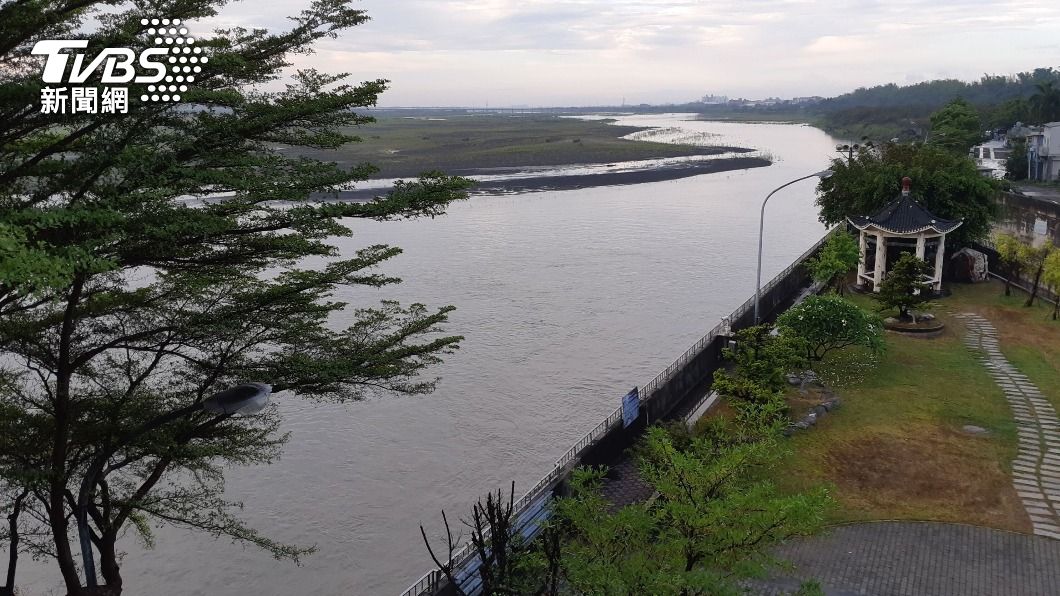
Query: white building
[1043,152]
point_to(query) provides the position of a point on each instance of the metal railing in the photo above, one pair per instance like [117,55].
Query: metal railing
[431,581]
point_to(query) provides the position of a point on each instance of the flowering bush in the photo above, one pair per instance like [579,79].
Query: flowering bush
[828,323]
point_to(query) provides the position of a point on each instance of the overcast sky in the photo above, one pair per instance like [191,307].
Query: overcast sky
[584,52]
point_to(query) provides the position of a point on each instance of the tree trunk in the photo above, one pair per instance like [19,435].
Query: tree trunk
[1034,288]
[108,562]
[8,589]
[1056,307]
[57,519]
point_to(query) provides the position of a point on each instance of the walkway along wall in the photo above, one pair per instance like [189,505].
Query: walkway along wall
[681,384]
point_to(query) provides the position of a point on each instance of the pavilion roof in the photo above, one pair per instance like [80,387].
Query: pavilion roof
[905,216]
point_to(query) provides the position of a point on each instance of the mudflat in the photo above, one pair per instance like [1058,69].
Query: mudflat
[403,147]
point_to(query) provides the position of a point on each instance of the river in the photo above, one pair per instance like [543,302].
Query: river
[566,299]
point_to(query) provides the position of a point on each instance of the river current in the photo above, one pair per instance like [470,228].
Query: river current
[566,299]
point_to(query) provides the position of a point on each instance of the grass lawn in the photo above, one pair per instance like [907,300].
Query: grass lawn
[896,448]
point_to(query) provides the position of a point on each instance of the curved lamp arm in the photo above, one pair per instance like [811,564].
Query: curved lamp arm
[762,224]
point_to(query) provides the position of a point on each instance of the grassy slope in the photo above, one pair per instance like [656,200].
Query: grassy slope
[895,450]
[403,147]
[1029,338]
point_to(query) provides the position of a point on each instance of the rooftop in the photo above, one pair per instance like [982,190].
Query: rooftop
[904,216]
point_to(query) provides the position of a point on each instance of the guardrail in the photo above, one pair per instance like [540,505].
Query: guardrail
[432,580]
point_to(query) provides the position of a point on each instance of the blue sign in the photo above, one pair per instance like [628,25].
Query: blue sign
[630,407]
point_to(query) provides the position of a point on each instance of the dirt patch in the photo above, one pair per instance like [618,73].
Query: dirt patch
[933,471]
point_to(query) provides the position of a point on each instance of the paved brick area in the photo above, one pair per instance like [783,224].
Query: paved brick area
[624,485]
[919,558]
[1036,471]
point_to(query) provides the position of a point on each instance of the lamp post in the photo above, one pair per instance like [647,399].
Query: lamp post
[761,227]
[243,399]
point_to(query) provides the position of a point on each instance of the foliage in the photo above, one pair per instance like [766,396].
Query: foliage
[1045,103]
[1036,257]
[956,127]
[123,307]
[828,323]
[508,564]
[711,525]
[946,184]
[1013,254]
[837,257]
[1016,162]
[1051,277]
[765,357]
[761,358]
[904,287]
[888,111]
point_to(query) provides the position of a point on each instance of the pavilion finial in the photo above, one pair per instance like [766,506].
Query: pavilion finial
[907,182]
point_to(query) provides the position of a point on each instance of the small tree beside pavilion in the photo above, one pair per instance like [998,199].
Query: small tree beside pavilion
[905,288]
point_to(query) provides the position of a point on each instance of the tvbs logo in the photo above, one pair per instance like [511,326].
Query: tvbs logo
[174,62]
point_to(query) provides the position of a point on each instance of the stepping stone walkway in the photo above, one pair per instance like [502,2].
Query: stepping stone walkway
[1036,471]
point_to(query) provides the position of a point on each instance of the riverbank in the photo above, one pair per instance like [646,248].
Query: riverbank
[554,182]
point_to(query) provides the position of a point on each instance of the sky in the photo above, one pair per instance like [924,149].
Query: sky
[600,52]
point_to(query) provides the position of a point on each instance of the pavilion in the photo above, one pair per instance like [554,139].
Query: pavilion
[902,226]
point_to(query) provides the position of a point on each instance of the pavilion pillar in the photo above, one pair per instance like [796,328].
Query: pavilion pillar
[881,261]
[921,247]
[864,247]
[939,262]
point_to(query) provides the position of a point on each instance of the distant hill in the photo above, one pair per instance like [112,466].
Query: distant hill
[891,110]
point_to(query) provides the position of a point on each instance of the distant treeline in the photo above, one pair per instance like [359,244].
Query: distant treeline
[903,111]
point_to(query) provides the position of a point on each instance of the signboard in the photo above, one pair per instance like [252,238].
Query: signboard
[630,407]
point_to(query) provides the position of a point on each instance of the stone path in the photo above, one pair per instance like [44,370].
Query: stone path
[918,558]
[1036,471]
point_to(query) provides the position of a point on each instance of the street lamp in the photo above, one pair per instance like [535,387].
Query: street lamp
[761,226]
[243,399]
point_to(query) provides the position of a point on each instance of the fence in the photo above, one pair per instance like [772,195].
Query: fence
[658,397]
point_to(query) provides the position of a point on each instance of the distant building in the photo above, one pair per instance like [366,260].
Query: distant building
[714,99]
[1043,152]
[991,156]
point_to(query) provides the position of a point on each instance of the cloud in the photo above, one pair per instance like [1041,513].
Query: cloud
[838,44]
[552,52]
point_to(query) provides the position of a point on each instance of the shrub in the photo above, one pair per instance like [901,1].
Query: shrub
[904,287]
[827,323]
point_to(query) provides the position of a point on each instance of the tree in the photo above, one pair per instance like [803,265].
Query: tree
[764,356]
[838,256]
[945,183]
[956,127]
[711,525]
[904,287]
[123,309]
[1051,277]
[761,359]
[1013,254]
[507,564]
[1035,259]
[1016,162]
[828,323]
[1045,103]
